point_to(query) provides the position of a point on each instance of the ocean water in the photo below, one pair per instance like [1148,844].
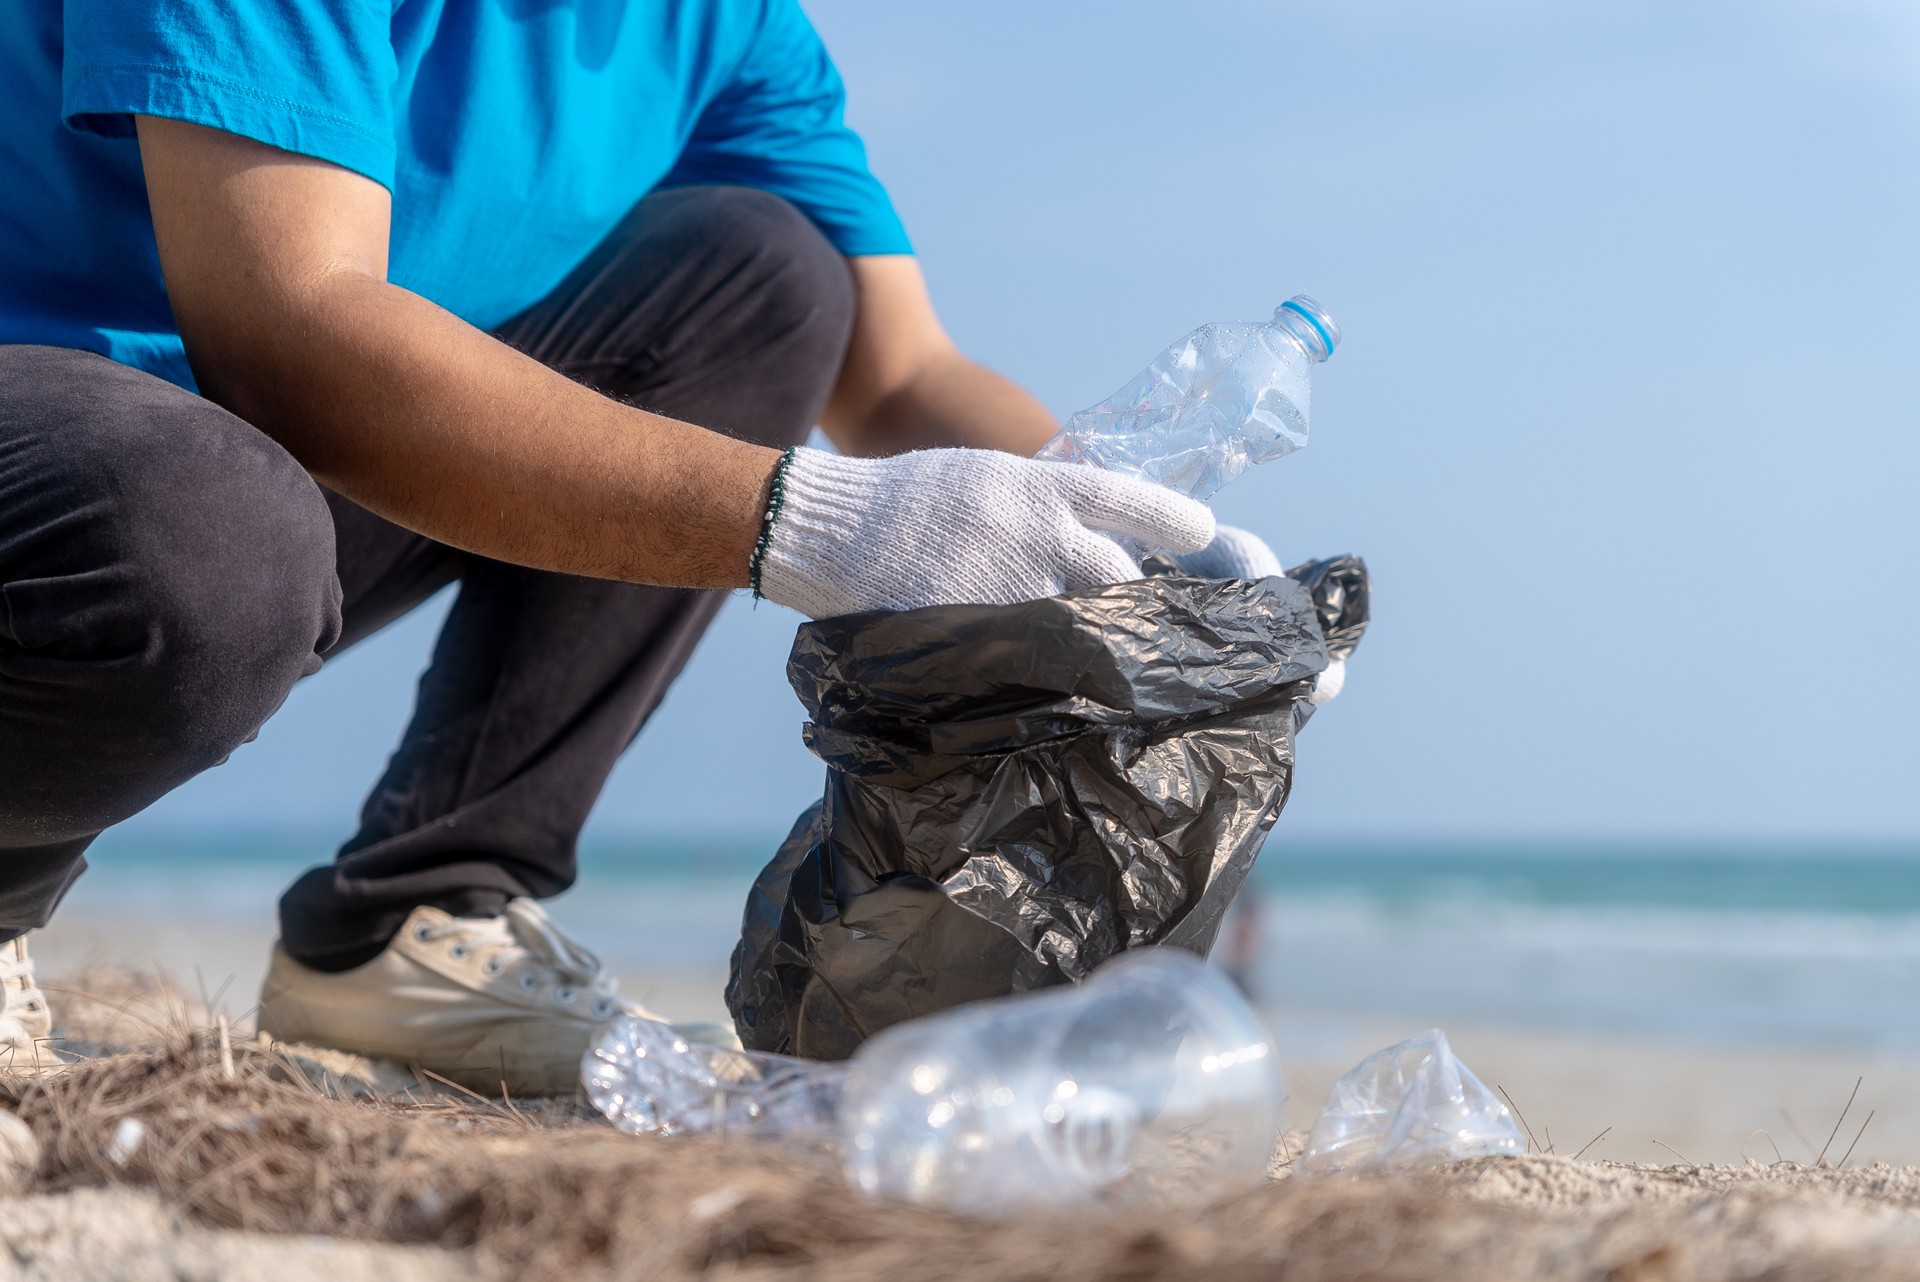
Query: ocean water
[1777,945]
[1783,946]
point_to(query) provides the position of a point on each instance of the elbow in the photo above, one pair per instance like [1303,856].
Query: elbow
[876,407]
[263,353]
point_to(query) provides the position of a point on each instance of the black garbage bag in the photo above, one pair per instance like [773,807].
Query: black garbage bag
[1017,793]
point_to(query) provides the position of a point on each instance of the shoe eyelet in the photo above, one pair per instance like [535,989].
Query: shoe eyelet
[528,982]
[492,967]
[459,952]
[564,996]
[602,1008]
[422,933]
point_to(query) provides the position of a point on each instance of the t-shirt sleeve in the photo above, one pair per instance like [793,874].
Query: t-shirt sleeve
[309,76]
[778,125]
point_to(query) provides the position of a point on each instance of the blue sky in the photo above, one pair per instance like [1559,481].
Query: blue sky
[1625,422]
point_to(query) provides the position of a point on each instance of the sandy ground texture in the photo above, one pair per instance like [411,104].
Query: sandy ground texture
[1653,1100]
[134,1236]
[181,1151]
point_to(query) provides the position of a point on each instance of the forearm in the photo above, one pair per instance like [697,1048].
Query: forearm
[905,386]
[411,412]
[276,268]
[951,400]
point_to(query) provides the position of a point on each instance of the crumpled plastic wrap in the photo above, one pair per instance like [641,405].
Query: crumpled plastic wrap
[1017,793]
[1412,1104]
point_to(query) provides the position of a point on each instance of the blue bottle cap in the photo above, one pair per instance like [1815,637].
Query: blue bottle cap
[1322,325]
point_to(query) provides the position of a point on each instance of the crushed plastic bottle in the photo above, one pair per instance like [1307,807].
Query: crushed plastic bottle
[1224,398]
[1153,1081]
[1412,1104]
[648,1078]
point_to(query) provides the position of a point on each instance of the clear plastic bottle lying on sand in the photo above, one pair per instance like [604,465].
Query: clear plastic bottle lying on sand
[1225,397]
[1412,1104]
[1153,1082]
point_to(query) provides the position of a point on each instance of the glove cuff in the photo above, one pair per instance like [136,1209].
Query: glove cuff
[805,545]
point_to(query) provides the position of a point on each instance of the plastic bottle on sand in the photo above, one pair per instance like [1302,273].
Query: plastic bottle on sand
[1225,397]
[1152,1082]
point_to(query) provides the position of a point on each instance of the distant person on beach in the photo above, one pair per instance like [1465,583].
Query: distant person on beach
[1238,949]
[310,309]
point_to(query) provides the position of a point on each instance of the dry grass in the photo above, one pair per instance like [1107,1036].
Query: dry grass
[239,1137]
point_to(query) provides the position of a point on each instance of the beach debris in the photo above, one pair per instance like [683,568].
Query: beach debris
[1227,397]
[1857,1134]
[1685,1160]
[563,1199]
[1609,1130]
[1017,793]
[336,1073]
[722,1201]
[128,1136]
[648,1078]
[19,1154]
[1153,1083]
[1412,1104]
[1852,1095]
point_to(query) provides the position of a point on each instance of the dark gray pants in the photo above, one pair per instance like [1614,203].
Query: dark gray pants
[167,573]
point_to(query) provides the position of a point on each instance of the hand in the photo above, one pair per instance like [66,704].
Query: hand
[1233,554]
[944,526]
[1328,685]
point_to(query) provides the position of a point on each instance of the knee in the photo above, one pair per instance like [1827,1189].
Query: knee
[197,585]
[239,595]
[792,295]
[803,282]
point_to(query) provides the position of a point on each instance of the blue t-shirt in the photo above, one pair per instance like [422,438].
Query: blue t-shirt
[513,134]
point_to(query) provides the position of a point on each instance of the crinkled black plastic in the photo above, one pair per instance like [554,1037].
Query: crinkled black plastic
[1017,793]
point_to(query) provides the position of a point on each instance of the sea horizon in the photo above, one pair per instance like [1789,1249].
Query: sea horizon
[1725,941]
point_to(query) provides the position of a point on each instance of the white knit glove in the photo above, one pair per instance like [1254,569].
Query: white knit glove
[1233,554]
[947,526]
[1331,681]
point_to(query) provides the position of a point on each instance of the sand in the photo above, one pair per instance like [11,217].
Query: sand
[178,1152]
[1660,1099]
[135,1236]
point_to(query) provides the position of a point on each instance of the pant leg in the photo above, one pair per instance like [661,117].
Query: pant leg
[166,575]
[717,305]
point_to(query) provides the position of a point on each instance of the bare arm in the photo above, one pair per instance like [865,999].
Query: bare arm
[906,386]
[276,265]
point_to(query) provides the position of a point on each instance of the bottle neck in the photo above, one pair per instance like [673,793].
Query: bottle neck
[1315,333]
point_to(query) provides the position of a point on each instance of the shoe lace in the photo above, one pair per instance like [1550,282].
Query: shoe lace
[539,935]
[524,928]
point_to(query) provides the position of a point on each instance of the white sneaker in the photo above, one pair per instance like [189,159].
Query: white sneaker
[26,1025]
[478,1001]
